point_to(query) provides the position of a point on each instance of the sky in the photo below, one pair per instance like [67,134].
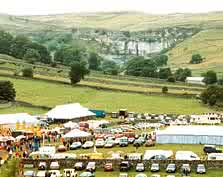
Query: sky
[44,7]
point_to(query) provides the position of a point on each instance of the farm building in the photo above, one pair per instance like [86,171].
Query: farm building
[191,135]
[70,112]
[209,118]
[195,80]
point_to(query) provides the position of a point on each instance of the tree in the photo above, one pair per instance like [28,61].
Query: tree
[164,73]
[171,79]
[210,77]
[164,89]
[6,40]
[27,72]
[161,60]
[78,71]
[182,74]
[196,59]
[31,56]
[110,67]
[7,91]
[94,61]
[220,81]
[212,95]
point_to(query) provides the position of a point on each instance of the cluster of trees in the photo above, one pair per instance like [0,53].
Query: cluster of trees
[212,95]
[196,59]
[139,66]
[23,48]
[7,91]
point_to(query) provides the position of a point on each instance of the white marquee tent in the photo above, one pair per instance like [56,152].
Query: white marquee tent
[76,133]
[69,112]
[10,120]
[191,135]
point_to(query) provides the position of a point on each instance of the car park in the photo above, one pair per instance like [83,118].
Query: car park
[75,145]
[79,166]
[69,173]
[140,167]
[108,167]
[88,144]
[201,169]
[87,174]
[171,168]
[91,166]
[61,148]
[54,165]
[125,166]
[155,167]
[100,143]
[42,166]
[141,175]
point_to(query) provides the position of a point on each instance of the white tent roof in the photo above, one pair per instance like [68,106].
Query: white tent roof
[19,117]
[195,79]
[76,133]
[69,111]
[186,155]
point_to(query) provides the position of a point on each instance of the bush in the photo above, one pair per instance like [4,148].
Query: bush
[7,91]
[196,59]
[171,79]
[165,90]
[27,72]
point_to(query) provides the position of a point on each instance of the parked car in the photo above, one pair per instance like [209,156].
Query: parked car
[55,173]
[91,166]
[141,175]
[155,175]
[100,143]
[155,167]
[61,148]
[54,165]
[149,143]
[29,174]
[69,173]
[88,144]
[109,144]
[123,142]
[211,149]
[140,167]
[201,169]
[124,175]
[75,145]
[41,173]
[142,139]
[108,167]
[185,168]
[42,166]
[131,140]
[87,174]
[171,168]
[137,143]
[125,166]
[79,166]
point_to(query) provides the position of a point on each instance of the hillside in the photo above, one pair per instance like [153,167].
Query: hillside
[132,21]
[208,43]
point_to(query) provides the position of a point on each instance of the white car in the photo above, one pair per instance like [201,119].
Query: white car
[42,166]
[99,143]
[141,175]
[70,173]
[88,144]
[91,166]
[54,166]
[41,174]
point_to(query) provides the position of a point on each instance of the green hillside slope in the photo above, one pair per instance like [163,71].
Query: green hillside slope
[208,43]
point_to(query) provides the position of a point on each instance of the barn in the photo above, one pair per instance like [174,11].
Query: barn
[190,135]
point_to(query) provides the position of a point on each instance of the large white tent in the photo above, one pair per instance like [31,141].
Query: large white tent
[76,133]
[191,135]
[10,120]
[69,112]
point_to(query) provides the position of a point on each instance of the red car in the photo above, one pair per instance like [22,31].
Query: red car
[108,167]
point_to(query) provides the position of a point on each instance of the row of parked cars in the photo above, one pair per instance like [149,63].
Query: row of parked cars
[155,167]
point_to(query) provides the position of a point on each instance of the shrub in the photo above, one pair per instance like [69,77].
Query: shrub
[165,90]
[27,72]
[171,79]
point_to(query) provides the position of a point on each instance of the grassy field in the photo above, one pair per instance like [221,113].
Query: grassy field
[21,109]
[208,43]
[51,94]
